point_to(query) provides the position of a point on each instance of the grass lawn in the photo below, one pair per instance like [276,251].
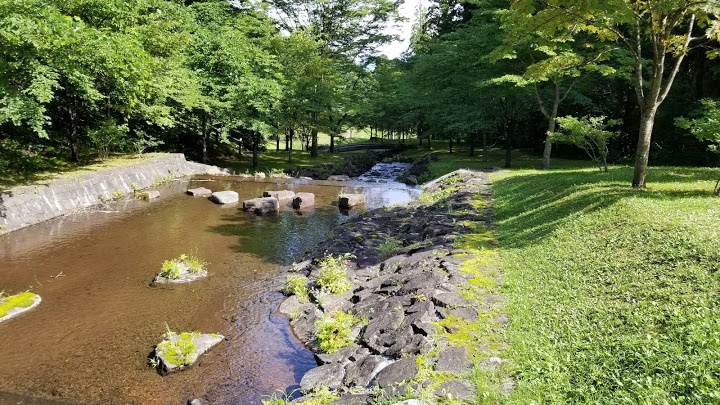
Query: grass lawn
[45,169]
[614,293]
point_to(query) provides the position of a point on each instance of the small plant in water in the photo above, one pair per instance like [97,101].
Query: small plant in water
[333,330]
[177,349]
[333,273]
[173,269]
[296,285]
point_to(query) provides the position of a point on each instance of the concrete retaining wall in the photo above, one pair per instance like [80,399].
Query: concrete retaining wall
[28,205]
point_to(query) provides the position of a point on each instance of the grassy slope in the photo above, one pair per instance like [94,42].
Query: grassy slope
[613,292]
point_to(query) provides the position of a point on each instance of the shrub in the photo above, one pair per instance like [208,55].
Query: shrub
[333,330]
[173,269]
[388,248]
[296,285]
[589,134]
[106,136]
[333,274]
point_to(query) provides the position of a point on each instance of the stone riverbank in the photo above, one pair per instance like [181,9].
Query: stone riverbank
[29,205]
[423,327]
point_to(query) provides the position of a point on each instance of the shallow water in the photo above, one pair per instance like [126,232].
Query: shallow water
[89,339]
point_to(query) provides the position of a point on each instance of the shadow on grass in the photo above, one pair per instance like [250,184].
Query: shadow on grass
[531,206]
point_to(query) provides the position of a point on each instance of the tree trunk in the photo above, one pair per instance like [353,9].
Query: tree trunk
[332,143]
[277,143]
[508,151]
[451,144]
[642,153]
[291,135]
[255,151]
[548,142]
[485,147]
[472,145]
[73,135]
[287,139]
[204,137]
[314,150]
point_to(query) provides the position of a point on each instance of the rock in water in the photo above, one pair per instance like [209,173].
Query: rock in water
[282,196]
[303,200]
[225,197]
[263,205]
[17,304]
[351,200]
[199,192]
[339,177]
[182,350]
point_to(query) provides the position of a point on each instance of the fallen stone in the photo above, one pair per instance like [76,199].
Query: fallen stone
[492,363]
[304,324]
[353,399]
[341,355]
[283,196]
[456,389]
[339,177]
[351,200]
[291,307]
[411,180]
[454,360]
[182,350]
[225,197]
[148,194]
[264,205]
[199,192]
[328,375]
[450,300]
[185,276]
[303,200]
[415,344]
[401,371]
[361,373]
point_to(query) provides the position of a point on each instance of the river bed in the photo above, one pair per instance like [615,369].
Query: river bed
[89,340]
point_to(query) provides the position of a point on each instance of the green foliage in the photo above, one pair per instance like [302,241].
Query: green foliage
[296,284]
[589,134]
[333,273]
[388,248]
[178,349]
[106,136]
[173,269]
[333,330]
[706,125]
[605,283]
[22,300]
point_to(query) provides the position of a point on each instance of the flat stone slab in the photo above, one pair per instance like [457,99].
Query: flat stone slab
[303,200]
[351,200]
[281,195]
[401,371]
[454,360]
[329,375]
[339,177]
[199,192]
[456,389]
[11,310]
[180,351]
[264,205]
[225,197]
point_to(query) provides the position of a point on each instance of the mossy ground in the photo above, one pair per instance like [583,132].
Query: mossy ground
[22,300]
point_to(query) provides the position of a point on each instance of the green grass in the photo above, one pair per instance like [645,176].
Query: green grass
[49,169]
[613,292]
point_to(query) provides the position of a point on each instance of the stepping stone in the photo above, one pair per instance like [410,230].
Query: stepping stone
[281,195]
[180,351]
[225,197]
[454,360]
[265,205]
[303,200]
[456,389]
[199,192]
[351,200]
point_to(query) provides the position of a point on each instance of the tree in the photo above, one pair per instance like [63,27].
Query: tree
[655,35]
[705,126]
[588,134]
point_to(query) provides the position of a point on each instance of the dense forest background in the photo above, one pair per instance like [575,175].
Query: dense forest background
[82,78]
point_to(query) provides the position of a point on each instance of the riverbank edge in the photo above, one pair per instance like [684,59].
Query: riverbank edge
[430,319]
[29,205]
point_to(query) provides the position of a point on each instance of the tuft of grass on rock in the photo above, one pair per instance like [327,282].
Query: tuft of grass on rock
[333,276]
[296,284]
[334,330]
[22,300]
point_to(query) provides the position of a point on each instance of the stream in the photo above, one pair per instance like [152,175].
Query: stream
[89,340]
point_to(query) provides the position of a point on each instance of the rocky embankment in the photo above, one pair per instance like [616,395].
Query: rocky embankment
[412,297]
[353,166]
